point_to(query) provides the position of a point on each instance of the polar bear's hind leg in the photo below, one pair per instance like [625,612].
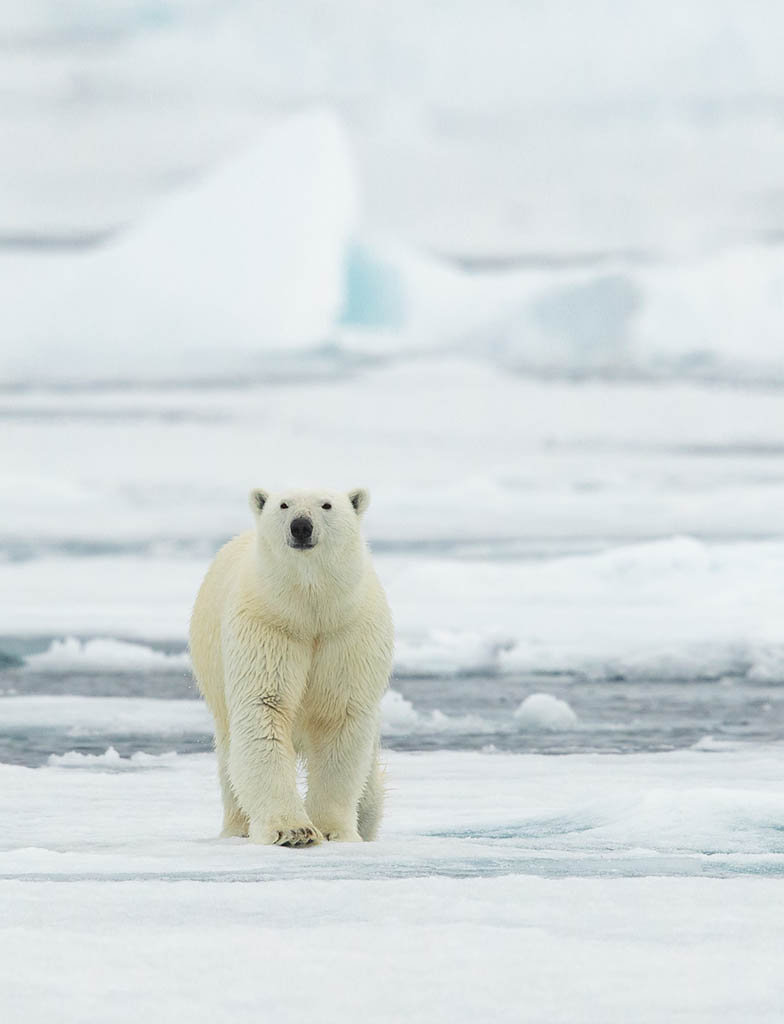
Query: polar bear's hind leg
[371,803]
[235,820]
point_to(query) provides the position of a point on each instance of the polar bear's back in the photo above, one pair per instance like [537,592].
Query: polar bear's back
[224,575]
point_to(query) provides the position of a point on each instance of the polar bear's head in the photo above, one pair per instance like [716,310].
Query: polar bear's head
[309,521]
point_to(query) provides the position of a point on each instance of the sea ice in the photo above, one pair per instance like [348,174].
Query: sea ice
[492,872]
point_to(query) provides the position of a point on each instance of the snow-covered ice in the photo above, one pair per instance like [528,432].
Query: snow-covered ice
[594,888]
[601,951]
[693,812]
[570,462]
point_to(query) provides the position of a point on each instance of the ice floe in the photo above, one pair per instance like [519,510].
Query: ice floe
[105,653]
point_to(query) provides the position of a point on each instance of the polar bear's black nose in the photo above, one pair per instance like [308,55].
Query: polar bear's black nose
[301,529]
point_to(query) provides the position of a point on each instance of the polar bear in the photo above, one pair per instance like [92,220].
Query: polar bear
[291,643]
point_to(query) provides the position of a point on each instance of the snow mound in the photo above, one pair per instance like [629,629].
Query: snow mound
[399,717]
[100,654]
[445,652]
[542,711]
[112,760]
[250,259]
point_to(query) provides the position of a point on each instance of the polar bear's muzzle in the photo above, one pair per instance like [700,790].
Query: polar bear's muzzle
[301,533]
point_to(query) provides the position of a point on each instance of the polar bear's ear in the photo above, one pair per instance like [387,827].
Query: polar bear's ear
[360,499]
[257,499]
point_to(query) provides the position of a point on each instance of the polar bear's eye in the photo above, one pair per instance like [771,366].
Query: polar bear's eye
[283,504]
[326,505]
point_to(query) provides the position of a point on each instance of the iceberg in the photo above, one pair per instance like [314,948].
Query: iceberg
[250,259]
[265,261]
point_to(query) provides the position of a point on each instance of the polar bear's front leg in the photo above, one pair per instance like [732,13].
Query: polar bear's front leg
[265,677]
[348,678]
[339,758]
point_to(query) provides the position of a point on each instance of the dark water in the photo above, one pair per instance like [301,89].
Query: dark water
[613,716]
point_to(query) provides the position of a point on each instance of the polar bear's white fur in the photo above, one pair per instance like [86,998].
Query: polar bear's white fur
[291,642]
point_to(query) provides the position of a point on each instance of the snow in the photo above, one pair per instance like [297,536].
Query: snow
[543,711]
[479,903]
[687,812]
[468,949]
[591,461]
[250,259]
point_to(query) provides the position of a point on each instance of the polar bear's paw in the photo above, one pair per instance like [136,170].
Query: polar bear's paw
[304,835]
[342,835]
[285,833]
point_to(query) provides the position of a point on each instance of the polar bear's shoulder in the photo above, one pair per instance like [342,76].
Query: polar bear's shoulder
[228,569]
[235,555]
[236,550]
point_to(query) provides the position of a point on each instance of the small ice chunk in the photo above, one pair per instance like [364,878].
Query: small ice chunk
[76,759]
[397,713]
[400,717]
[543,711]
